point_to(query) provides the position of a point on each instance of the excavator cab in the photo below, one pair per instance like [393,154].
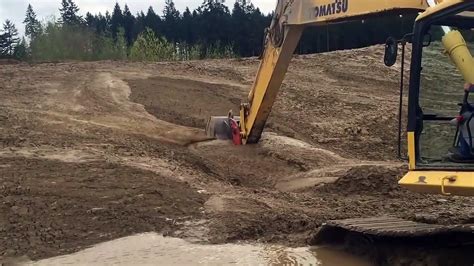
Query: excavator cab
[440,114]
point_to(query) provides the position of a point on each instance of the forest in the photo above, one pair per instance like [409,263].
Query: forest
[212,30]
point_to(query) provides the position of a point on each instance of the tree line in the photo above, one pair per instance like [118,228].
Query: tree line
[212,30]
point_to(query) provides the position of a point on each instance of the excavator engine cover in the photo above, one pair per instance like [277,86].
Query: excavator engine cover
[224,128]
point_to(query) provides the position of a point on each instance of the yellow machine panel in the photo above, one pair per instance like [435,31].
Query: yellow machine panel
[435,182]
[440,6]
[315,11]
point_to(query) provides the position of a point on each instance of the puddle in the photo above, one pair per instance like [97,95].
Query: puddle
[154,249]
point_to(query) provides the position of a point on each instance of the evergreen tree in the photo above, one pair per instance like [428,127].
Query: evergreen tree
[121,44]
[97,23]
[63,10]
[243,27]
[153,21]
[214,23]
[21,50]
[2,43]
[69,13]
[116,21]
[9,39]
[260,22]
[139,25]
[108,21]
[128,25]
[171,24]
[32,25]
[188,28]
[91,21]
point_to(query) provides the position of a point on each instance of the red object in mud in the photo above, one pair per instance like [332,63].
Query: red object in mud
[236,137]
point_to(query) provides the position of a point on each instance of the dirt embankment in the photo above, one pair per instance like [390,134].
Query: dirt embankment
[95,151]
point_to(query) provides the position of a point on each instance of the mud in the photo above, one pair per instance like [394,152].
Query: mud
[92,152]
[151,249]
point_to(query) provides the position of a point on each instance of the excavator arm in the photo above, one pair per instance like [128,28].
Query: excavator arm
[272,70]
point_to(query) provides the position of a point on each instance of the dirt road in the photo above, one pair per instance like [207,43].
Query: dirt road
[95,151]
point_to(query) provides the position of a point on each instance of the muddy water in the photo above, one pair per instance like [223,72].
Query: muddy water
[153,249]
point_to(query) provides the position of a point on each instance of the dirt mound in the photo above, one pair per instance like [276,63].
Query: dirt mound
[367,179]
[298,152]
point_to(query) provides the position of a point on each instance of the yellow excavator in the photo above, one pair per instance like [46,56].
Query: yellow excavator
[448,173]
[440,142]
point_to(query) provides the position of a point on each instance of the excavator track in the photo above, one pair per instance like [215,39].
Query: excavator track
[382,238]
[395,227]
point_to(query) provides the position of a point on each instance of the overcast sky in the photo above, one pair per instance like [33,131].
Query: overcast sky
[15,9]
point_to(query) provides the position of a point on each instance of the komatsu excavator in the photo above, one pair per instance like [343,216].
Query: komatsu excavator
[445,175]
[435,118]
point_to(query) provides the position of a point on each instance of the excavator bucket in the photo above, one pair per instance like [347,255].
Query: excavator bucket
[222,127]
[219,127]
